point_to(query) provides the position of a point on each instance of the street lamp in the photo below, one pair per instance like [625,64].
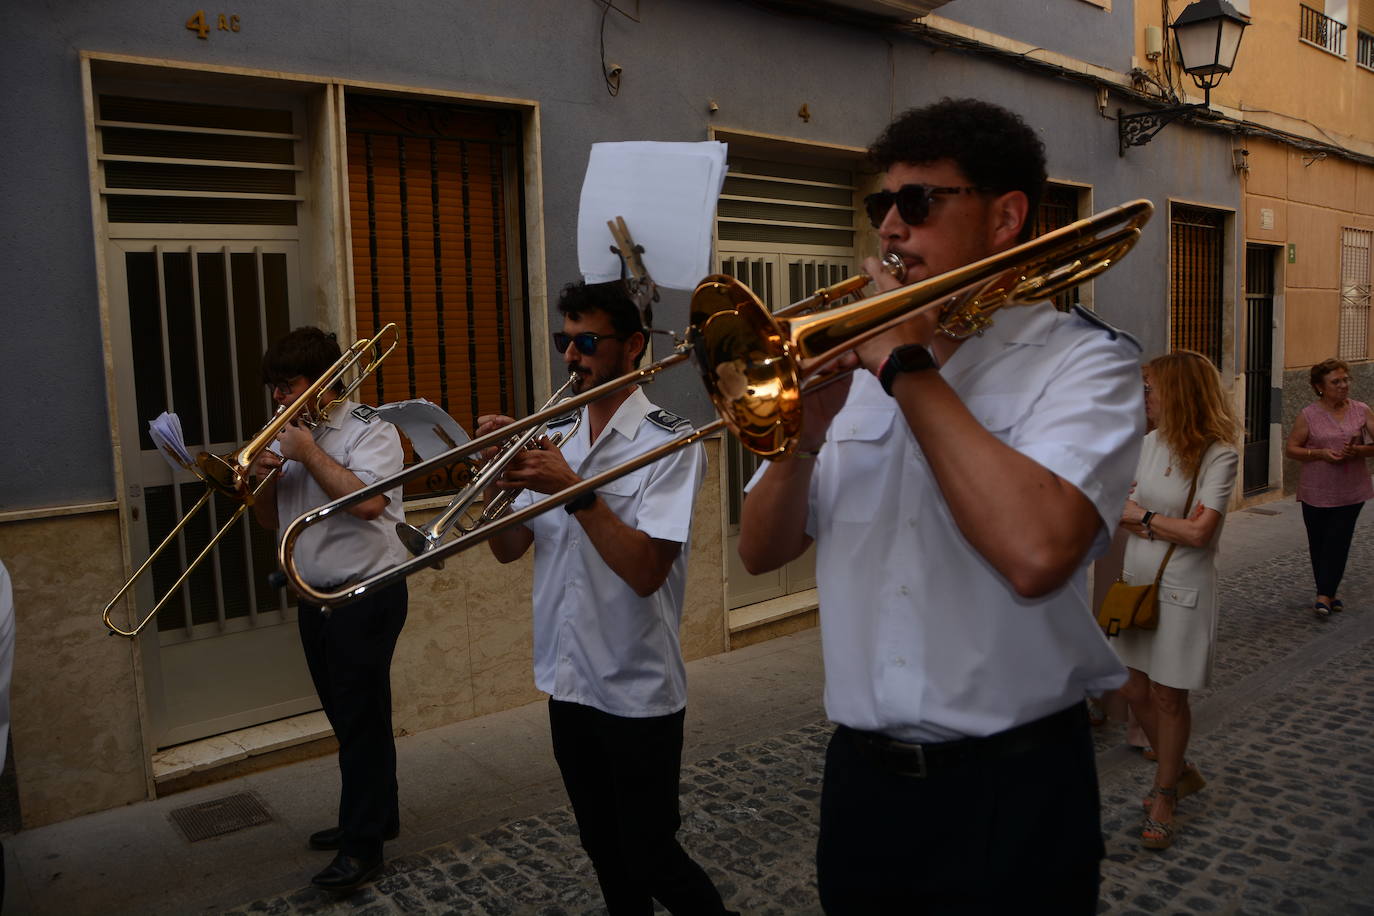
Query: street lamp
[1208,33]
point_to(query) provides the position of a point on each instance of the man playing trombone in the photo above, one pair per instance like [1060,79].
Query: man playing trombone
[609,578]
[955,492]
[349,650]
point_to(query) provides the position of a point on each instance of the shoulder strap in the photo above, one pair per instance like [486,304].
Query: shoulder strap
[1187,507]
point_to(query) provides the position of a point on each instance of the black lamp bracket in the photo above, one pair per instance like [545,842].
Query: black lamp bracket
[1139,129]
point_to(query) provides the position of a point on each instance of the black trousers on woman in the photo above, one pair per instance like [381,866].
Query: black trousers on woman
[349,654]
[1329,532]
[622,778]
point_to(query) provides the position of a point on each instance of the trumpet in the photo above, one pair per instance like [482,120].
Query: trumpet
[422,539]
[229,474]
[757,365]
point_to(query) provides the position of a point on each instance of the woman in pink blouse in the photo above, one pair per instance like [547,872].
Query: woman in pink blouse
[1331,438]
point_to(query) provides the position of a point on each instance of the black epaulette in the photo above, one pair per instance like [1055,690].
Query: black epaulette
[365,413]
[667,420]
[564,420]
[1096,320]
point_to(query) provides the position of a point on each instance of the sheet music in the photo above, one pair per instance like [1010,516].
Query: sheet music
[667,194]
[430,430]
[166,433]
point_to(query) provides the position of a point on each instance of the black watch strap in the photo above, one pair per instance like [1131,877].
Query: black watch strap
[906,358]
[578,503]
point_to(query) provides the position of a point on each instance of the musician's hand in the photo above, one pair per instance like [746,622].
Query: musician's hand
[487,423]
[919,329]
[543,470]
[266,462]
[820,405]
[296,440]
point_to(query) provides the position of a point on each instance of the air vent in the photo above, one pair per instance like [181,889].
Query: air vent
[182,162]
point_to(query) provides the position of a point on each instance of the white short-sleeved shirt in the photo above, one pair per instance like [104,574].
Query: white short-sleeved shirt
[596,642]
[343,547]
[923,639]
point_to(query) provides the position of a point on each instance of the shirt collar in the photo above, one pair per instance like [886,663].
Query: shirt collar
[1024,325]
[335,418]
[629,415]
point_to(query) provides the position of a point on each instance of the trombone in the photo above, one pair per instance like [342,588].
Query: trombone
[756,365]
[422,539]
[229,473]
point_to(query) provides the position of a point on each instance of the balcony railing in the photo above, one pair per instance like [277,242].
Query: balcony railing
[1364,49]
[1322,30]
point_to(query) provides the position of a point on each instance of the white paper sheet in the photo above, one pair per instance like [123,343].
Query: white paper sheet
[667,194]
[430,430]
[166,433]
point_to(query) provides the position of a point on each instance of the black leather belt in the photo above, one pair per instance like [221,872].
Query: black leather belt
[939,758]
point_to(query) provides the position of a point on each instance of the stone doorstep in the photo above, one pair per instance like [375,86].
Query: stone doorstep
[773,610]
[232,754]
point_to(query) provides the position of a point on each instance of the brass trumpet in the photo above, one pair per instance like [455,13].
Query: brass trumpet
[229,473]
[756,365]
[422,539]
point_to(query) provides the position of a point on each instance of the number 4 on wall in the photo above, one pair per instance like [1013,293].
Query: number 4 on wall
[201,27]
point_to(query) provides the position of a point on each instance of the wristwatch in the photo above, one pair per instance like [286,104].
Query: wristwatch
[578,503]
[906,358]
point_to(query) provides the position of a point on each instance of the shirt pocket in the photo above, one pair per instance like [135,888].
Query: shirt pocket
[1177,595]
[622,495]
[860,442]
[998,413]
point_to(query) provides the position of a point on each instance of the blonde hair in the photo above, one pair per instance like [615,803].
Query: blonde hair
[1193,409]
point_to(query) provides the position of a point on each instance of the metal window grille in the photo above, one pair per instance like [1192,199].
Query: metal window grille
[197,317]
[435,250]
[786,204]
[1058,208]
[1355,293]
[1364,49]
[1195,284]
[1323,31]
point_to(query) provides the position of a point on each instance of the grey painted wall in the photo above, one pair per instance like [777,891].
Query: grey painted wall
[758,66]
[1096,35]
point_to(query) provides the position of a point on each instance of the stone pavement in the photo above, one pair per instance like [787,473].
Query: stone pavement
[1284,735]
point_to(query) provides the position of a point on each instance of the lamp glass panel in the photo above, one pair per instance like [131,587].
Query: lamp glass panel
[1231,32]
[1197,46]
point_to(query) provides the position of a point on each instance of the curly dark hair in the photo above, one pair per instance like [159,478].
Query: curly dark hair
[992,146]
[306,351]
[612,298]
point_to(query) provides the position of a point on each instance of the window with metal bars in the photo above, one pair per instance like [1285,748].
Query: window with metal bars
[1058,208]
[1355,293]
[437,250]
[1197,271]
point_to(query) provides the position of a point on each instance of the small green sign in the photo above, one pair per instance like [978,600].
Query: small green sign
[1292,252]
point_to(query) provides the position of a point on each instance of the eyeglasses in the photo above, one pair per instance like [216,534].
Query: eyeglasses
[283,388]
[586,341]
[912,200]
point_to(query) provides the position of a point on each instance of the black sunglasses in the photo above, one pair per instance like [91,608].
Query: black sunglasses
[912,200]
[586,341]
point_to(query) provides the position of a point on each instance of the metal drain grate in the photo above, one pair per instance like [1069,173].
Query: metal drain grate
[220,816]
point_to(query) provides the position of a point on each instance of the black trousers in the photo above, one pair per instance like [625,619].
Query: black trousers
[622,777]
[1011,834]
[349,654]
[1329,532]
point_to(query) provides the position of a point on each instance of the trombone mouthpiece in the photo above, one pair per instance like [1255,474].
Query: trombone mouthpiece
[892,263]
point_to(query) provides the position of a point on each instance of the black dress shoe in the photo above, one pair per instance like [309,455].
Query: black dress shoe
[330,837]
[346,873]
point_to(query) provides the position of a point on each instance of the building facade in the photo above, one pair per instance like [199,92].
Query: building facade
[182,190]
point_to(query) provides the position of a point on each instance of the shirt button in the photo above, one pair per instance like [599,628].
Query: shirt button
[911,522]
[898,662]
[904,591]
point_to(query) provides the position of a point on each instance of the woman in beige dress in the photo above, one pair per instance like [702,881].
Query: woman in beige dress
[1195,433]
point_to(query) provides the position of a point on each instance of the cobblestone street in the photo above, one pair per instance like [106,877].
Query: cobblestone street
[1284,735]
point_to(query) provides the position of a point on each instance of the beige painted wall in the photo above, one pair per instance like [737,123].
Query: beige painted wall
[1311,200]
[1281,81]
[465,651]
